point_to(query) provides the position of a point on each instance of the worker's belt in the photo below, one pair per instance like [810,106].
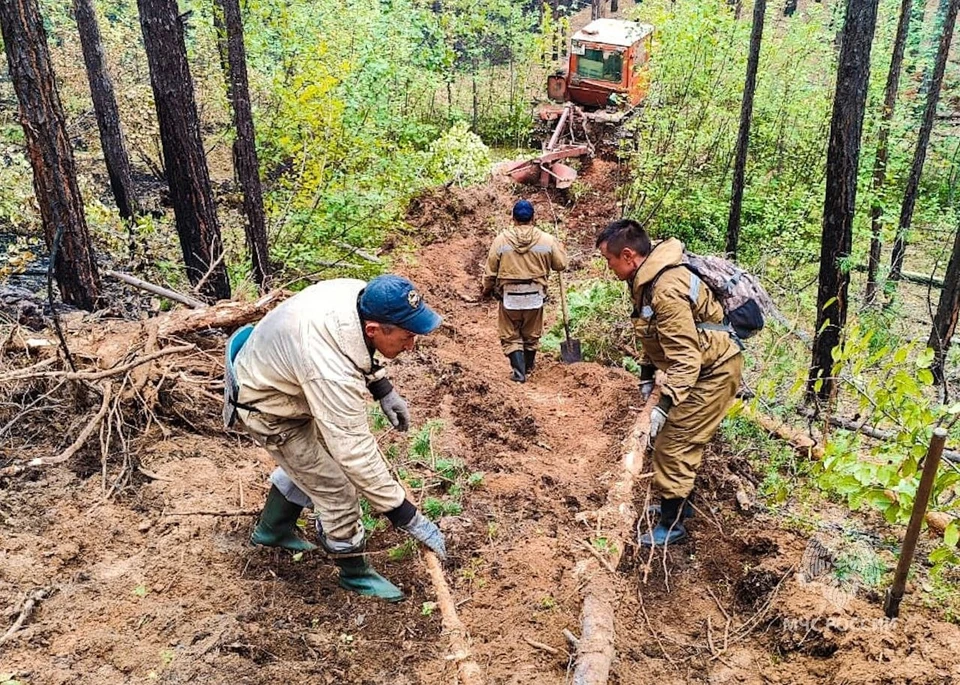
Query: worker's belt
[522,296]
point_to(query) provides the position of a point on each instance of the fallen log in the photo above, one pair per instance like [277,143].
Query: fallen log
[877,434]
[467,668]
[912,277]
[805,445]
[596,646]
[224,314]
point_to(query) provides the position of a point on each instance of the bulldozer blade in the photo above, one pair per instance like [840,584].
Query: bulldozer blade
[563,175]
[570,351]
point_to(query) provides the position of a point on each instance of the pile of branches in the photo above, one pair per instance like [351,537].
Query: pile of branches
[93,399]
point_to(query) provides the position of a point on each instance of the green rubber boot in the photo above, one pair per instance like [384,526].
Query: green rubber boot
[357,575]
[277,526]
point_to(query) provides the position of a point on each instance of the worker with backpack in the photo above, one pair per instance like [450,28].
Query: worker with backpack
[686,333]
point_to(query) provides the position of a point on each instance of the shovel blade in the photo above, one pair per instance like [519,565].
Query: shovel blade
[570,351]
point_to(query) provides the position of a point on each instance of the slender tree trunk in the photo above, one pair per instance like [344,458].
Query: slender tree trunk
[105,107]
[880,161]
[244,147]
[614,6]
[843,155]
[926,127]
[743,136]
[596,9]
[48,146]
[790,8]
[183,154]
[223,51]
[945,320]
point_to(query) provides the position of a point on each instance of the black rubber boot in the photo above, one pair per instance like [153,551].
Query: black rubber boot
[519,366]
[277,526]
[688,510]
[357,575]
[669,528]
[529,357]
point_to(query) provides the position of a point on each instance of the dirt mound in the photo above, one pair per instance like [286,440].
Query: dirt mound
[447,211]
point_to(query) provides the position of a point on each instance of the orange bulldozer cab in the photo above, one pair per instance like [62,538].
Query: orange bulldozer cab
[606,59]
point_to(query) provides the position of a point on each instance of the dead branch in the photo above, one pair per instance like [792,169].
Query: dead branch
[539,645]
[29,605]
[156,289]
[96,375]
[467,668]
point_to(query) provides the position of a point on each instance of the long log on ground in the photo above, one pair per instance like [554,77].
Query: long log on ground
[467,668]
[596,647]
[877,434]
[807,446]
[224,314]
[912,277]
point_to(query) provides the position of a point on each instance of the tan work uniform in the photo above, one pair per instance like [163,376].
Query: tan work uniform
[305,371]
[702,367]
[518,266]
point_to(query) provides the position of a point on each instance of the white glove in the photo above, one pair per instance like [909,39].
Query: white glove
[646,389]
[658,418]
[426,531]
[395,409]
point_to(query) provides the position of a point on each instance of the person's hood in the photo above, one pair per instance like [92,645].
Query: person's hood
[666,253]
[522,238]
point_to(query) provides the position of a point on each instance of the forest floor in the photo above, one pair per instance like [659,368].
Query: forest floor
[137,589]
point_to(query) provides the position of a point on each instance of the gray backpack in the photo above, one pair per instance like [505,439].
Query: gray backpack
[746,304]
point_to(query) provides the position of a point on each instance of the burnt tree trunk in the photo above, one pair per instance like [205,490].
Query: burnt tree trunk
[926,127]
[596,9]
[880,161]
[945,320]
[223,50]
[244,147]
[54,173]
[105,107]
[743,136]
[183,154]
[843,155]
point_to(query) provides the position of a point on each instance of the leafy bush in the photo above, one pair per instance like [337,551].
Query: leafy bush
[459,157]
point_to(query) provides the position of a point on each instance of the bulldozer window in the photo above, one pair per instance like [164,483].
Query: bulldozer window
[598,64]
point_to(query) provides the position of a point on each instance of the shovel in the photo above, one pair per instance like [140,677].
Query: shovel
[569,348]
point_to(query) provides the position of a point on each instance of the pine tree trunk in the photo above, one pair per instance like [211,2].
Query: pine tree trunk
[926,127]
[596,9]
[183,155]
[743,136]
[48,146]
[880,161]
[105,107]
[223,51]
[843,155]
[244,147]
[945,320]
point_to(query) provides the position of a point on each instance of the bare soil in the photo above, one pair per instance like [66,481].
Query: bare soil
[143,590]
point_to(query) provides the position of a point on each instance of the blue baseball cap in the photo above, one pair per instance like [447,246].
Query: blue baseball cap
[523,211]
[394,300]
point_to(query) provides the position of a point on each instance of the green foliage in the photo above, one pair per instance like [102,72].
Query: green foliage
[404,550]
[599,317]
[890,382]
[459,157]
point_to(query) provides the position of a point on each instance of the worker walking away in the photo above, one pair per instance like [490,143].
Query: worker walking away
[682,333]
[518,267]
[299,382]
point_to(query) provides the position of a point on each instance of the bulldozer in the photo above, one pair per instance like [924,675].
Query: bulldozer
[604,81]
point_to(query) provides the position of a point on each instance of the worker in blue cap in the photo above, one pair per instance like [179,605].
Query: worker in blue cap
[299,382]
[518,267]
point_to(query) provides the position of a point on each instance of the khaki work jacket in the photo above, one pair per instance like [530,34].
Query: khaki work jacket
[523,254]
[308,359]
[665,320]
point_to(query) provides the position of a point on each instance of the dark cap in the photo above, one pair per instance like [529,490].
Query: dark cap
[523,211]
[393,300]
